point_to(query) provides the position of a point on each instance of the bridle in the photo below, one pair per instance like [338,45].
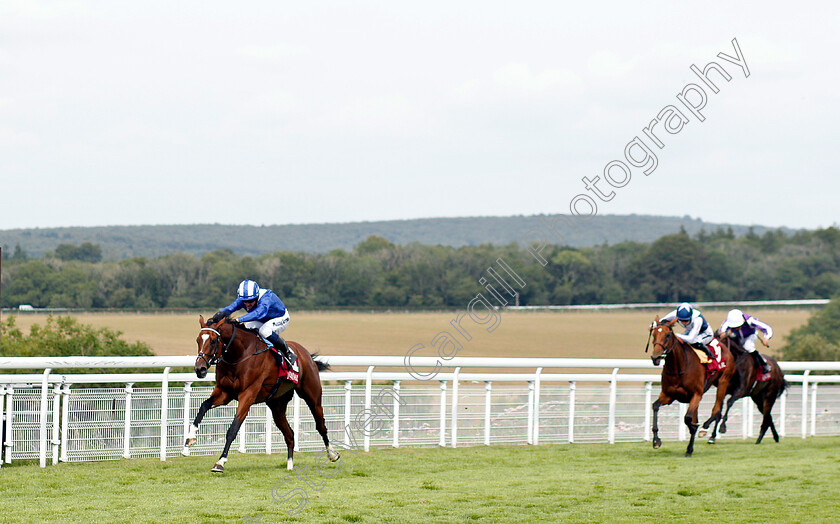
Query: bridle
[214,344]
[667,347]
[670,341]
[217,357]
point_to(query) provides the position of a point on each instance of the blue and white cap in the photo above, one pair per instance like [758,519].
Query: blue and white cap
[248,290]
[684,312]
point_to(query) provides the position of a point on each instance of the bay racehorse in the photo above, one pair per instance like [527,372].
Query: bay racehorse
[684,378]
[247,371]
[743,384]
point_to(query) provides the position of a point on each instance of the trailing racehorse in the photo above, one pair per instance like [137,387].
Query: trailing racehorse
[247,371]
[684,378]
[743,383]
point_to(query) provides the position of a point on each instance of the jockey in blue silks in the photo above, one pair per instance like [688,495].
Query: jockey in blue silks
[266,313]
[698,333]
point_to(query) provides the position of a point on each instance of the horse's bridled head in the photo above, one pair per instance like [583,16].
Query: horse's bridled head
[208,341]
[662,341]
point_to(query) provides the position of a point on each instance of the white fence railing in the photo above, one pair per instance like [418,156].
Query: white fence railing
[62,417]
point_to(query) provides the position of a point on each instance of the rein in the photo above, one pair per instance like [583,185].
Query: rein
[221,358]
[213,360]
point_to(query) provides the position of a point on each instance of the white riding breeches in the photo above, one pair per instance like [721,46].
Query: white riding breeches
[749,343]
[275,325]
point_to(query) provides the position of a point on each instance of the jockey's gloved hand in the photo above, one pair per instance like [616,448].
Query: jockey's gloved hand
[216,317]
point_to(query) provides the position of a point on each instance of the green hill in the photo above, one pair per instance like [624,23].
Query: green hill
[120,242]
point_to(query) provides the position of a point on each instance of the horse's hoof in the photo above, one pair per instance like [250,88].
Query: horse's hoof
[702,433]
[333,455]
[657,444]
[711,441]
[218,468]
[722,429]
[687,454]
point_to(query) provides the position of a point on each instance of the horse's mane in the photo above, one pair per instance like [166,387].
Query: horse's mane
[238,325]
[241,326]
[734,345]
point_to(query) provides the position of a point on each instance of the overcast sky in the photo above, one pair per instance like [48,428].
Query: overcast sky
[268,112]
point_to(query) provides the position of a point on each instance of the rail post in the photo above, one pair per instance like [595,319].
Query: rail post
[455,407]
[65,421]
[611,413]
[442,413]
[164,412]
[297,421]
[805,403]
[814,409]
[572,388]
[530,425]
[648,395]
[348,386]
[396,442]
[782,413]
[2,419]
[367,414]
[129,389]
[268,430]
[537,385]
[488,389]
[56,408]
[45,389]
[187,403]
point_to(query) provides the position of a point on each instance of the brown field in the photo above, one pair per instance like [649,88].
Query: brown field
[601,334]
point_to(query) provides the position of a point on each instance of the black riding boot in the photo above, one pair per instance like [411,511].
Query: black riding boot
[705,349]
[760,362]
[288,355]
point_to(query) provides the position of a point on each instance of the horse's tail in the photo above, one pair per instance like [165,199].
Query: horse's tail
[322,366]
[785,386]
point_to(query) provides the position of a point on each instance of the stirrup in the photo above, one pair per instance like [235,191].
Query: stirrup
[288,355]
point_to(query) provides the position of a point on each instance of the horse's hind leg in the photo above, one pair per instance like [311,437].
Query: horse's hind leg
[691,422]
[767,422]
[278,412]
[318,413]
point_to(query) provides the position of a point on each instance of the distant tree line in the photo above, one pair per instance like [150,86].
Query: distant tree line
[716,266]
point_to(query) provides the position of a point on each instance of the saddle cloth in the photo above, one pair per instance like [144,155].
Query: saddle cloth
[712,365]
[285,371]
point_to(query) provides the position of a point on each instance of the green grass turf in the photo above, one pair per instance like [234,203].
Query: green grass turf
[733,481]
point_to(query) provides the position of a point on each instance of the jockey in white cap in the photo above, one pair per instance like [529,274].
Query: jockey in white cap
[744,328]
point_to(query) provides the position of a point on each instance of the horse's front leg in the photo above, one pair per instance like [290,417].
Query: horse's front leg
[691,421]
[217,398]
[245,403]
[729,404]
[663,400]
[716,410]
